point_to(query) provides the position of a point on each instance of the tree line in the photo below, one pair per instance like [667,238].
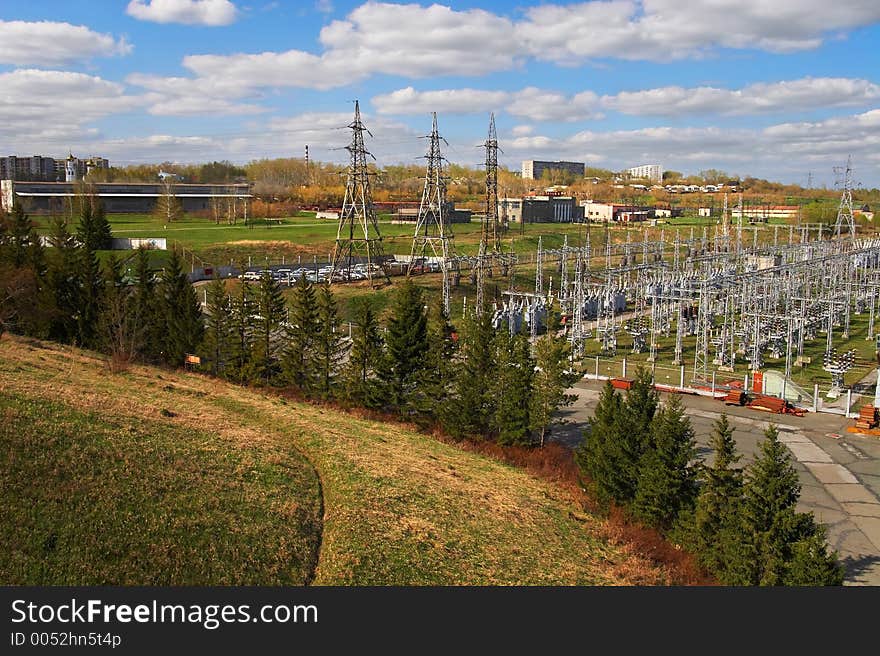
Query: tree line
[469,380]
[741,523]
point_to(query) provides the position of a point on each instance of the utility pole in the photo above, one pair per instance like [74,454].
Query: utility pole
[358,231]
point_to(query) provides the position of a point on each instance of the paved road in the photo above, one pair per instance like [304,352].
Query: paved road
[839,471]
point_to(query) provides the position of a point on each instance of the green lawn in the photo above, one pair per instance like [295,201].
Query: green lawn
[103,498]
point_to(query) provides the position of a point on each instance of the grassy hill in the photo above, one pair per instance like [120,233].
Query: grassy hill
[158,477]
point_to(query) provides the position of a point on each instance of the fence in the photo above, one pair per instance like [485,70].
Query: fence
[681,379]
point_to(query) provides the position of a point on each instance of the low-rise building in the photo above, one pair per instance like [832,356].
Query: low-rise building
[119,197]
[764,212]
[615,212]
[540,209]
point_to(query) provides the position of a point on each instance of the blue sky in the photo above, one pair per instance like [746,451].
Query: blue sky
[778,89]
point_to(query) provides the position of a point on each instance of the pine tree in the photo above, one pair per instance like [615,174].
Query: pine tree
[595,455]
[516,370]
[267,328]
[299,358]
[666,483]
[472,406]
[217,343]
[329,346]
[407,343]
[717,515]
[366,350]
[64,283]
[242,309]
[182,312]
[550,382]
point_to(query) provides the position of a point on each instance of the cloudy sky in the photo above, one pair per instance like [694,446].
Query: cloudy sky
[777,88]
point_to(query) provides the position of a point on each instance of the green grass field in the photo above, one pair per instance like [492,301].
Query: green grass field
[101,486]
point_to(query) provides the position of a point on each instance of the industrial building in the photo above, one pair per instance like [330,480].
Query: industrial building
[451,214]
[540,209]
[119,197]
[39,168]
[653,172]
[764,212]
[615,212]
[533,169]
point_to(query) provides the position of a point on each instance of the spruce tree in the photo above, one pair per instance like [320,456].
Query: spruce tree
[634,438]
[218,327]
[812,564]
[717,522]
[595,455]
[667,481]
[516,370]
[407,344]
[182,312]
[148,310]
[329,346]
[366,350]
[64,282]
[472,407]
[242,309]
[299,357]
[780,545]
[551,380]
[90,297]
[120,331]
[431,397]
[267,328]
[26,249]
[93,231]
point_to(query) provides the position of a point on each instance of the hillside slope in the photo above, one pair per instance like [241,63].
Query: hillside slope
[398,507]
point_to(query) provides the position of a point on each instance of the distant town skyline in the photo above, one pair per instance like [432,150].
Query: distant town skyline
[783,90]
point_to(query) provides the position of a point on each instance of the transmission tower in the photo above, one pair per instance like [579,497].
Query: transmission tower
[358,233]
[432,225]
[845,220]
[489,226]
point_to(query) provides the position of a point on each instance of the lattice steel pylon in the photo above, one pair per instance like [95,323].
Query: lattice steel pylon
[358,232]
[489,226]
[433,228]
[845,219]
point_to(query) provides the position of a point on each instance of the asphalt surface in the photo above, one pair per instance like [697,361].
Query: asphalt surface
[839,471]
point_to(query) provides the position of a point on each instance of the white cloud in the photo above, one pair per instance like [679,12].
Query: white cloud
[531,103]
[324,6]
[189,12]
[180,96]
[783,151]
[541,105]
[413,41]
[661,30]
[789,96]
[408,101]
[47,43]
[522,130]
[39,106]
